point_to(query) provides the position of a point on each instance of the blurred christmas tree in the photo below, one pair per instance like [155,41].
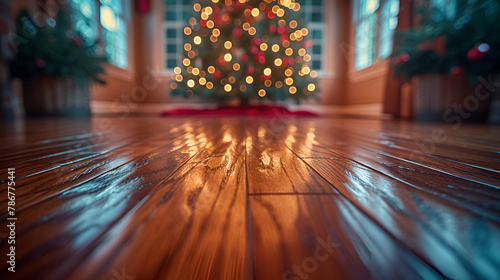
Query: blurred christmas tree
[246,49]
[55,49]
[465,45]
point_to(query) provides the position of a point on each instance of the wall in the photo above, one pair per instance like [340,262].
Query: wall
[365,86]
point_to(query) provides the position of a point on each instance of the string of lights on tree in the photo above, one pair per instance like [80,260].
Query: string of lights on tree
[246,49]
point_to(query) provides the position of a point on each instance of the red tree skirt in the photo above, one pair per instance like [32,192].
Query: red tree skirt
[248,110]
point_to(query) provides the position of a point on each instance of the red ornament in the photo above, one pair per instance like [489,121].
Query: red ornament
[216,75]
[308,43]
[250,70]
[273,28]
[401,58]
[254,50]
[291,61]
[244,57]
[78,41]
[270,14]
[281,30]
[40,63]
[237,32]
[479,52]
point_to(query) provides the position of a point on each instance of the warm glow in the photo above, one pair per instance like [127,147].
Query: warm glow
[190,83]
[196,71]
[249,79]
[289,51]
[302,52]
[211,69]
[187,31]
[314,74]
[228,87]
[236,67]
[186,62]
[252,31]
[275,48]
[197,40]
[255,12]
[277,62]
[293,24]
[279,84]
[228,45]
[197,7]
[263,47]
[210,85]
[262,93]
[311,87]
[306,70]
[202,81]
[228,57]
[177,70]
[267,71]
[289,81]
[293,90]
[178,78]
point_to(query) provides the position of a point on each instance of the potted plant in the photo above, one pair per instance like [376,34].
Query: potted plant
[56,66]
[446,60]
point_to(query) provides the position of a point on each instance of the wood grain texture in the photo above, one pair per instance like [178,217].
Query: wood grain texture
[251,198]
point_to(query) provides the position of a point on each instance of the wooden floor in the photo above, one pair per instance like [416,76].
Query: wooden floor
[251,198]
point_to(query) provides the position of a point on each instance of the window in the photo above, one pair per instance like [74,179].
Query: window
[375,22]
[312,12]
[109,18]
[178,12]
[83,16]
[114,15]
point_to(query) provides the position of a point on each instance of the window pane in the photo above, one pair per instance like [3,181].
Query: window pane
[114,32]
[367,7]
[388,23]
[83,17]
[366,35]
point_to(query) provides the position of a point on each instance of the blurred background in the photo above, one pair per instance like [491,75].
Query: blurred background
[370,56]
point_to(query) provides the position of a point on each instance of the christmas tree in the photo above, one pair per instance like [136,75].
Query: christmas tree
[466,45]
[246,49]
[55,49]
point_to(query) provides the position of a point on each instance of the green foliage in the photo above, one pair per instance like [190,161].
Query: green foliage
[54,49]
[245,51]
[439,45]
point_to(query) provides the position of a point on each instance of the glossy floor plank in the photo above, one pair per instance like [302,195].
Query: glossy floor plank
[252,198]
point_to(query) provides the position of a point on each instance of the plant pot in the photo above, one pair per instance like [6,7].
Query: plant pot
[444,98]
[56,96]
